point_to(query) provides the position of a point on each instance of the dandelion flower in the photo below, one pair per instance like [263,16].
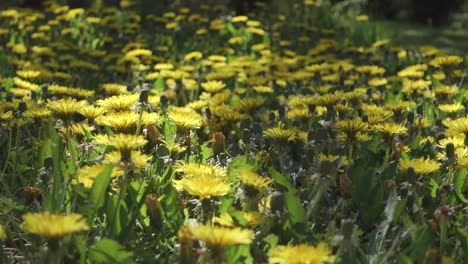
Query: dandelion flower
[446,61]
[66,107]
[3,235]
[198,169]
[391,129]
[122,142]
[303,253]
[218,236]
[50,225]
[87,174]
[280,134]
[185,118]
[213,86]
[118,102]
[456,126]
[205,186]
[421,166]
[252,179]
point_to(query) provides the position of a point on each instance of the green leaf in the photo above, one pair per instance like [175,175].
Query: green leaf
[459,182]
[239,254]
[282,181]
[98,191]
[109,251]
[238,163]
[295,208]
[434,186]
[159,84]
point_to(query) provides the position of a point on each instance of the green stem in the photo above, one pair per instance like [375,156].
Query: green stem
[10,134]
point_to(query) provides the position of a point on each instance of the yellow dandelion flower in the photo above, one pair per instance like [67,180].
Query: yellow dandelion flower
[421,166]
[263,89]
[217,236]
[37,113]
[351,126]
[227,113]
[185,118]
[457,141]
[302,254]
[213,86]
[118,102]
[254,218]
[224,219]
[115,88]
[87,174]
[194,55]
[138,159]
[456,126]
[446,61]
[91,112]
[77,129]
[50,225]
[391,129]
[198,169]
[451,108]
[126,119]
[3,235]
[203,186]
[122,142]
[249,103]
[28,74]
[280,134]
[67,106]
[252,179]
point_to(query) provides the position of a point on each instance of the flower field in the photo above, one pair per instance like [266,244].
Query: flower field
[194,135]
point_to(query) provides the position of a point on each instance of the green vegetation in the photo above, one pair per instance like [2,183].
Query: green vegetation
[310,135]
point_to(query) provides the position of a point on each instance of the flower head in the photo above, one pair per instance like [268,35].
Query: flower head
[218,236]
[302,254]
[67,106]
[204,186]
[421,166]
[122,142]
[391,129]
[50,225]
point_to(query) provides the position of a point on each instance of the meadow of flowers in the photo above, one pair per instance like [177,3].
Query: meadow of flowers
[198,136]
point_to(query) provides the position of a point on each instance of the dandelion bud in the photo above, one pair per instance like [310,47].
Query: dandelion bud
[218,143]
[144,96]
[246,135]
[347,226]
[272,116]
[152,205]
[48,163]
[22,106]
[185,244]
[277,202]
[31,193]
[410,118]
[411,174]
[450,151]
[45,90]
[312,108]
[365,118]
[33,96]
[420,110]
[164,100]
[281,112]
[326,167]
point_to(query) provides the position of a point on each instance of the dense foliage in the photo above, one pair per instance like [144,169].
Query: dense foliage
[199,136]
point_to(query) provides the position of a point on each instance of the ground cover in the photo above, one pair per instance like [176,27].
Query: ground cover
[197,136]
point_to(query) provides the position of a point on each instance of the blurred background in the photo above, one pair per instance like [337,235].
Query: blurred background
[432,12]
